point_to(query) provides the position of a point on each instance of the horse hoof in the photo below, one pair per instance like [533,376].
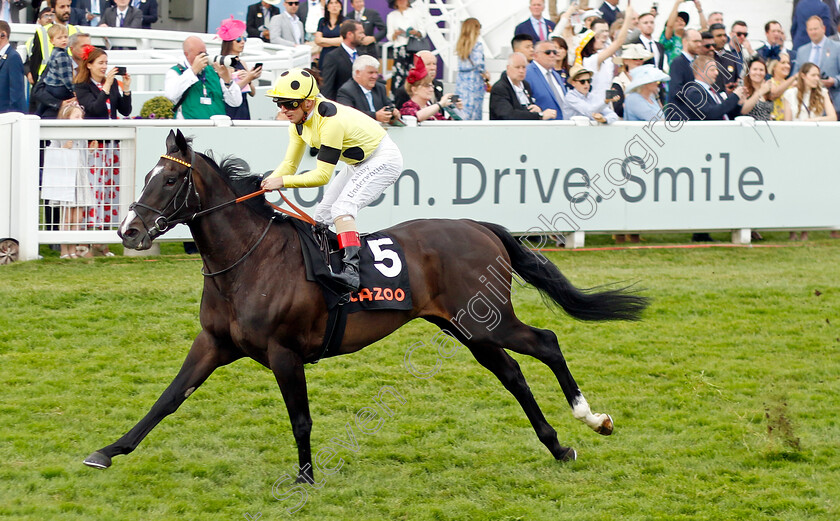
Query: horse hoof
[606,427]
[98,460]
[570,455]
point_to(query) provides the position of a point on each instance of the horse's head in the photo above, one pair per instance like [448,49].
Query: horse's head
[169,196]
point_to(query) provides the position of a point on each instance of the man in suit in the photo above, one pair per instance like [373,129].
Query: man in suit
[365,93]
[698,101]
[774,37]
[823,52]
[12,89]
[610,11]
[647,21]
[510,97]
[123,15]
[149,9]
[338,66]
[93,10]
[258,18]
[802,11]
[729,65]
[537,25]
[681,72]
[833,10]
[375,29]
[287,28]
[546,85]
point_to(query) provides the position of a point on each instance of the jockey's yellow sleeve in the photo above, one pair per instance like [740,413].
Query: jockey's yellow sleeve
[339,132]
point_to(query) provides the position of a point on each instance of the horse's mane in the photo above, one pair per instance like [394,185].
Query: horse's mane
[238,176]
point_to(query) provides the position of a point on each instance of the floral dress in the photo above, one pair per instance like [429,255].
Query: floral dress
[470,84]
[104,177]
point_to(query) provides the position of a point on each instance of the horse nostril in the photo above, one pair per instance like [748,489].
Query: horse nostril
[131,233]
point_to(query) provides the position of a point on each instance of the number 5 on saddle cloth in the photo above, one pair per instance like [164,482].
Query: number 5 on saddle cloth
[383,273]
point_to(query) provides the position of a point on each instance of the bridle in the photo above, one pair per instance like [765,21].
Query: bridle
[164,223]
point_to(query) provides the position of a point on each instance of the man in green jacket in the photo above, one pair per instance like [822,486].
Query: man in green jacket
[197,88]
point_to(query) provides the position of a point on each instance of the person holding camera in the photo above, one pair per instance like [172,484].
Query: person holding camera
[364,93]
[198,88]
[232,33]
[421,92]
[97,88]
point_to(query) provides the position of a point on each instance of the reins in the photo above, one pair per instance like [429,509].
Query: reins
[162,223]
[297,214]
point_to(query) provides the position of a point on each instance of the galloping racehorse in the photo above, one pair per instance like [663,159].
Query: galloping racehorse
[260,305]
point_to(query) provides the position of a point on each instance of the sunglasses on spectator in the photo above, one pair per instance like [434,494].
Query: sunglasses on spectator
[742,34]
[241,39]
[708,45]
[288,104]
[550,51]
[292,3]
[585,80]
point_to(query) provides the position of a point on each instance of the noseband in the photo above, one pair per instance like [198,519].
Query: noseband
[163,222]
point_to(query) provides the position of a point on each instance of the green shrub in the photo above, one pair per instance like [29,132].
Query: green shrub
[158,107]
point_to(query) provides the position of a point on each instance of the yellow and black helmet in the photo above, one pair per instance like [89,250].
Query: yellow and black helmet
[294,85]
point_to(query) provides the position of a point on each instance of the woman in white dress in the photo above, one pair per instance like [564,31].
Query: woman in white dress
[66,181]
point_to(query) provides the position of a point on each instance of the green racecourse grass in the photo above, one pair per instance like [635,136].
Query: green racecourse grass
[725,401]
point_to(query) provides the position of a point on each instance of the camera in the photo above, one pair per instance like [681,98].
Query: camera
[226,60]
[121,71]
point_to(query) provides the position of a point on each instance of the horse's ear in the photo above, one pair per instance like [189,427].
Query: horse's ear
[181,141]
[170,142]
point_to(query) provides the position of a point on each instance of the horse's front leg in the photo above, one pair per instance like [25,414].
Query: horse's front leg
[288,370]
[204,357]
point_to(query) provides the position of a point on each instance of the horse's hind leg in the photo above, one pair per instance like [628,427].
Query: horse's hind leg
[507,371]
[542,345]
[204,357]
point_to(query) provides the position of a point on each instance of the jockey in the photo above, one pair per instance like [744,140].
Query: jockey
[372,161]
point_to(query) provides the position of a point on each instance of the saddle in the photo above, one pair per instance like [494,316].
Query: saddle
[382,270]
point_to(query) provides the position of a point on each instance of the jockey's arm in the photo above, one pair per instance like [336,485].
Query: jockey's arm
[290,163]
[328,156]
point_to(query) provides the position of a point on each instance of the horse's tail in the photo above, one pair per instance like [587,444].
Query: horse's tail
[611,304]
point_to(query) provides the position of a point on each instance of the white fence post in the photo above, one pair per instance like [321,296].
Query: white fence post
[24,200]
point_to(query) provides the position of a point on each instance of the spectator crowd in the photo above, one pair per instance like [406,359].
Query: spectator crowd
[586,61]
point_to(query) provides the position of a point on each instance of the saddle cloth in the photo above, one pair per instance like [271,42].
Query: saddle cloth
[382,269]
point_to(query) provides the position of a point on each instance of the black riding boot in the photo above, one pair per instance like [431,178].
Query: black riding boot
[349,276]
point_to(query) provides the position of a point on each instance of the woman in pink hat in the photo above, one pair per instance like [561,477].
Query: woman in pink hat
[233,35]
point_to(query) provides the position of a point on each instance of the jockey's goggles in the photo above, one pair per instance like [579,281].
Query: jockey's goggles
[288,104]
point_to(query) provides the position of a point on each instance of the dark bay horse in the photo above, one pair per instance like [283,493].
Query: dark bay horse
[261,306]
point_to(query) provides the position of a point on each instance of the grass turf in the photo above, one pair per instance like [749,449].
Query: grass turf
[724,399]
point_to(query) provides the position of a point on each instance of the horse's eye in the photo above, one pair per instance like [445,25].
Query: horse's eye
[170,181]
